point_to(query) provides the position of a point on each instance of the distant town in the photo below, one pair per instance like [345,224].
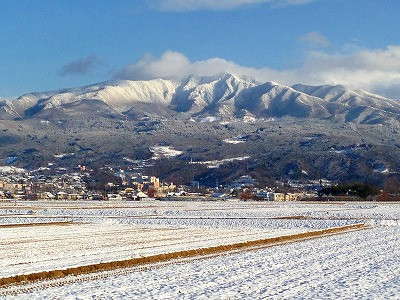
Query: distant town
[79,183]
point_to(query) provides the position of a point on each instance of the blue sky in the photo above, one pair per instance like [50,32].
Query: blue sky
[47,45]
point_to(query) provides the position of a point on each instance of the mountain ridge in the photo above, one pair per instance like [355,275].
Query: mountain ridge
[224,96]
[326,131]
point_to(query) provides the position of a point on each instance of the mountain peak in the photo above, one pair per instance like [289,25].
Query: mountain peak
[223,76]
[223,95]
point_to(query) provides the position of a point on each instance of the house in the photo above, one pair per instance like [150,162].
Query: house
[159,195]
[268,196]
[294,196]
[95,197]
[46,196]
[180,193]
[142,196]
[31,196]
[155,182]
[114,197]
[278,197]
[18,195]
[218,195]
[167,187]
[61,196]
[74,196]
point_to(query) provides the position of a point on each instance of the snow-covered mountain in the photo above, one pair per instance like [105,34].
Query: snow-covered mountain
[362,107]
[223,96]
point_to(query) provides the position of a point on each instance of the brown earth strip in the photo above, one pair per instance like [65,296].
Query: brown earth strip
[329,218]
[290,218]
[78,216]
[159,258]
[76,207]
[158,217]
[36,224]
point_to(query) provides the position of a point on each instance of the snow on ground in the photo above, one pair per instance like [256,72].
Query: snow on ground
[209,119]
[224,122]
[164,151]
[236,140]
[356,265]
[382,170]
[26,250]
[217,163]
[353,265]
[101,231]
[10,169]
[233,141]
[249,119]
[123,211]
[64,155]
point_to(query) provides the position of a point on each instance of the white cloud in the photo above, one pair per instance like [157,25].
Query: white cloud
[380,59]
[192,5]
[375,71]
[175,65]
[314,38]
[170,65]
[371,70]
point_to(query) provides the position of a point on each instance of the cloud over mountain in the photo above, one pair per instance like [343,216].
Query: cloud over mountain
[173,64]
[375,71]
[372,70]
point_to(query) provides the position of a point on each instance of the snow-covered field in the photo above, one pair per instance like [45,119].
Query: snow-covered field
[359,264]
[26,250]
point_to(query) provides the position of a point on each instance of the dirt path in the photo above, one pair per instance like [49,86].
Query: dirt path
[36,224]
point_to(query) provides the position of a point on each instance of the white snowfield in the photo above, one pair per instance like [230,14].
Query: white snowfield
[358,265]
[233,141]
[353,265]
[217,163]
[164,151]
[10,169]
[26,250]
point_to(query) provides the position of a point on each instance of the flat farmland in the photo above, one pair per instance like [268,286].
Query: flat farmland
[238,237]
[26,250]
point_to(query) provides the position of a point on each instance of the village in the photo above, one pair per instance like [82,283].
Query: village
[77,184]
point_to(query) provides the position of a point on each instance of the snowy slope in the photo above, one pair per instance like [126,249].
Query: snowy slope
[272,99]
[360,103]
[216,92]
[223,96]
[120,95]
